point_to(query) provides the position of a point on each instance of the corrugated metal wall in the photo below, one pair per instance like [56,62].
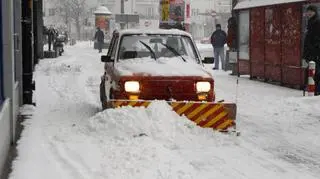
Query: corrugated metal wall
[291,44]
[275,44]
[257,43]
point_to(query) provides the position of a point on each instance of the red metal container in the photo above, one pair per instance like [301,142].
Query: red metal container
[257,43]
[291,44]
[273,43]
[276,36]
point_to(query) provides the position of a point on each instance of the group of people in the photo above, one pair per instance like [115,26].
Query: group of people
[311,51]
[55,39]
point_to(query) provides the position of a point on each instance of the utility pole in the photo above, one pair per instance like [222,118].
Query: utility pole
[122,12]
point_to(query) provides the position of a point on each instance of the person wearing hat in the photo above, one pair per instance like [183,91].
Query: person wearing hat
[218,40]
[311,50]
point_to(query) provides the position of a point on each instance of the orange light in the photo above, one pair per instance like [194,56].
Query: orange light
[202,97]
[133,97]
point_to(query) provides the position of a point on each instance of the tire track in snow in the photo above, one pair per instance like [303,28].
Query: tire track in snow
[259,104]
[68,102]
[77,170]
[297,155]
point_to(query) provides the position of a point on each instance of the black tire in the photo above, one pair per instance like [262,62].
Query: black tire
[103,97]
[108,105]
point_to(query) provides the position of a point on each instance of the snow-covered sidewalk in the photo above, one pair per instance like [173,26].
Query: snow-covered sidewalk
[69,137]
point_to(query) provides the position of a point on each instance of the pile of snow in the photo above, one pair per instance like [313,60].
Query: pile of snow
[157,122]
[155,142]
[161,67]
[151,142]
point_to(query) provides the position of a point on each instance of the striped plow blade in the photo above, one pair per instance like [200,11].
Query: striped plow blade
[219,116]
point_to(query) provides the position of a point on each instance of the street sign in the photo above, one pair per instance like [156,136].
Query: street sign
[127,18]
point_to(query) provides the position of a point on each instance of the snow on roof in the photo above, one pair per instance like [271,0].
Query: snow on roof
[155,31]
[246,4]
[102,10]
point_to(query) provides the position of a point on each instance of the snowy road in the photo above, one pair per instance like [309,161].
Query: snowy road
[68,137]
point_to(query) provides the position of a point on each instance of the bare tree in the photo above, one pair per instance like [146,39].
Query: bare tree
[73,11]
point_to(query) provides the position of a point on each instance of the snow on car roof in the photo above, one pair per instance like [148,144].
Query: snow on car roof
[154,31]
[247,4]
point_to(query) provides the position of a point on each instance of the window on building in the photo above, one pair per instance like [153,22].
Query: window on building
[92,10]
[52,12]
[244,35]
[150,12]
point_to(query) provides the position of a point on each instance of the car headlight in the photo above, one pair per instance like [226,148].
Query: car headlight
[132,86]
[203,86]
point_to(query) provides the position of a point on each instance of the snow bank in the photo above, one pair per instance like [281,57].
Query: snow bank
[158,121]
[151,142]
[155,142]
[161,67]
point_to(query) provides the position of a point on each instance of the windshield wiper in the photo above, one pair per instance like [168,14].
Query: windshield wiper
[174,51]
[149,48]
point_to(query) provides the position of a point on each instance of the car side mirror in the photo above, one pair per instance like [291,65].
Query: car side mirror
[208,60]
[107,59]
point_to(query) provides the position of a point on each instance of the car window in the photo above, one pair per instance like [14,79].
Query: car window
[160,46]
[188,48]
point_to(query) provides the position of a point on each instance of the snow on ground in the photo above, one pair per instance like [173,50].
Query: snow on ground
[69,137]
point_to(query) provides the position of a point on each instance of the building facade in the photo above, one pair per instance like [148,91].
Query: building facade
[148,11]
[205,14]
[9,87]
[53,15]
[20,39]
[223,10]
[202,20]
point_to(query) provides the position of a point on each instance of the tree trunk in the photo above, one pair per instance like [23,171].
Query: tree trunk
[78,26]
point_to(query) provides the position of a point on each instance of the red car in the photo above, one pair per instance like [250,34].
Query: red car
[141,66]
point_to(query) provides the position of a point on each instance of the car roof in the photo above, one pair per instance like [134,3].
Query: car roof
[154,31]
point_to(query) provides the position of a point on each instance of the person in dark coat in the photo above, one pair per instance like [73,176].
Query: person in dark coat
[218,40]
[99,37]
[52,34]
[312,43]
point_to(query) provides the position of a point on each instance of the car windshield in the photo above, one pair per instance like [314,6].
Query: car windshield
[157,47]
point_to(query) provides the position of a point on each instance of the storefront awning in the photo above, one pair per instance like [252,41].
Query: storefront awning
[247,4]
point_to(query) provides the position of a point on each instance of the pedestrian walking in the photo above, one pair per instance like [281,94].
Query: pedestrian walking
[99,37]
[312,43]
[52,34]
[218,40]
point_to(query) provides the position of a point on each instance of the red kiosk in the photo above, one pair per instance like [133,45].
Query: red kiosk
[270,39]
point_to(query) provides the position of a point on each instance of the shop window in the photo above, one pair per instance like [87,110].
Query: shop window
[244,35]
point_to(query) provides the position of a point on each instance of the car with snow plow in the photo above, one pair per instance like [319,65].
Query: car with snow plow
[163,64]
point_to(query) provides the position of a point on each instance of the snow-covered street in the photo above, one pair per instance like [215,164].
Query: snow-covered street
[69,137]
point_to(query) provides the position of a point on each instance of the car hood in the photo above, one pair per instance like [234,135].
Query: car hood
[160,67]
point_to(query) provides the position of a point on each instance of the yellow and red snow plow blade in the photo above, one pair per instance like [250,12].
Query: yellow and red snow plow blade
[219,116]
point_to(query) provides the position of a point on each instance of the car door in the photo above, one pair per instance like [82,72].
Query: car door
[109,67]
